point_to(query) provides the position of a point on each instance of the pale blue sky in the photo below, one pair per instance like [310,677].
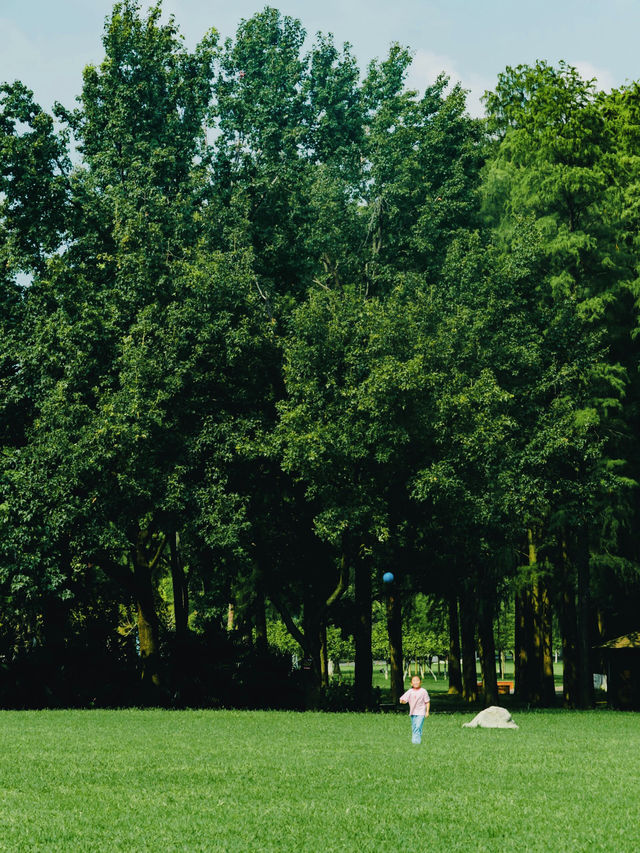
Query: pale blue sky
[46,43]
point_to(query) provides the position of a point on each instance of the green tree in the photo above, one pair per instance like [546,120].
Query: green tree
[128,328]
[553,166]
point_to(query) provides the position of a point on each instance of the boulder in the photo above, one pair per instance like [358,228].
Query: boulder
[493,717]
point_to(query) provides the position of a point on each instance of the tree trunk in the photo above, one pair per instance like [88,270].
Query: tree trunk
[260,619]
[598,637]
[533,635]
[467,636]
[336,595]
[311,620]
[569,629]
[313,636]
[487,652]
[535,644]
[180,593]
[585,678]
[522,657]
[534,672]
[313,641]
[394,630]
[148,628]
[149,645]
[546,636]
[362,635]
[453,662]
[568,622]
[324,656]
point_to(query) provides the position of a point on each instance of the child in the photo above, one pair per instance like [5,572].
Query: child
[419,704]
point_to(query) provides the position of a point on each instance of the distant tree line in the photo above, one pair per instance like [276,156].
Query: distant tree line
[270,327]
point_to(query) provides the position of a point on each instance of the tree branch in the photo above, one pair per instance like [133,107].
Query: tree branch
[343,582]
[119,573]
[290,625]
[158,554]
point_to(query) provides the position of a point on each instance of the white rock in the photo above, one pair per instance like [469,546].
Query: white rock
[493,717]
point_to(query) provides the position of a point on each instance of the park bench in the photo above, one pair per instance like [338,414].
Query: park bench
[505,688]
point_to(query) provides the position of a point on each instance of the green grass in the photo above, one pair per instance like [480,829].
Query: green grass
[274,781]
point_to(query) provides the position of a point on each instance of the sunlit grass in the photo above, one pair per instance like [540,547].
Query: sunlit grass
[261,781]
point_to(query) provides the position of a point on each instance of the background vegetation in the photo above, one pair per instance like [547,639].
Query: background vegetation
[269,328]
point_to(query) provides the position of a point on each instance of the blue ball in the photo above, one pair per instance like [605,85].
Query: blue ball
[387,577]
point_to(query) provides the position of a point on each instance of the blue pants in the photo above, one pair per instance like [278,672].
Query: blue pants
[417,722]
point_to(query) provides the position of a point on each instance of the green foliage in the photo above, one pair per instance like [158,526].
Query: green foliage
[554,164]
[292,323]
[279,638]
[426,629]
[34,183]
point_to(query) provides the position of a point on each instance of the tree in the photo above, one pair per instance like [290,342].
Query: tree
[118,309]
[552,164]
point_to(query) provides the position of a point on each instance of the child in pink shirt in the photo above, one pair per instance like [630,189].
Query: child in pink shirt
[419,704]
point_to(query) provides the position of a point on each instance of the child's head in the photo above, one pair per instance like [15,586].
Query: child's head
[415,682]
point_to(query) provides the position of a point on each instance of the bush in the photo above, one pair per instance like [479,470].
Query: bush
[215,669]
[342,697]
[205,670]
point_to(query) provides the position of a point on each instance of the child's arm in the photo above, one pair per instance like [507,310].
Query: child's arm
[428,706]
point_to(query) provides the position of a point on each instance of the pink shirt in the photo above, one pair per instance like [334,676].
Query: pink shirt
[417,700]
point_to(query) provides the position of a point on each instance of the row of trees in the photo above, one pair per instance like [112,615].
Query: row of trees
[269,328]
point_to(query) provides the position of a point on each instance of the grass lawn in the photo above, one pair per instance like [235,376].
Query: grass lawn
[241,781]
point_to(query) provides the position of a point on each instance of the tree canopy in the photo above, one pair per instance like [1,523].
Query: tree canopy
[270,326]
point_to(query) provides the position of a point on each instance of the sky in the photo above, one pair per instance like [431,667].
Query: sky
[47,43]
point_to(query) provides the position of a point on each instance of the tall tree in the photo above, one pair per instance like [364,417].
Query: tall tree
[552,165]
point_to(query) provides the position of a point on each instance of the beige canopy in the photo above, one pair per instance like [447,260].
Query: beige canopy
[628,641]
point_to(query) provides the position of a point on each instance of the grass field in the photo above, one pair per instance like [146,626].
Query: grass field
[274,781]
